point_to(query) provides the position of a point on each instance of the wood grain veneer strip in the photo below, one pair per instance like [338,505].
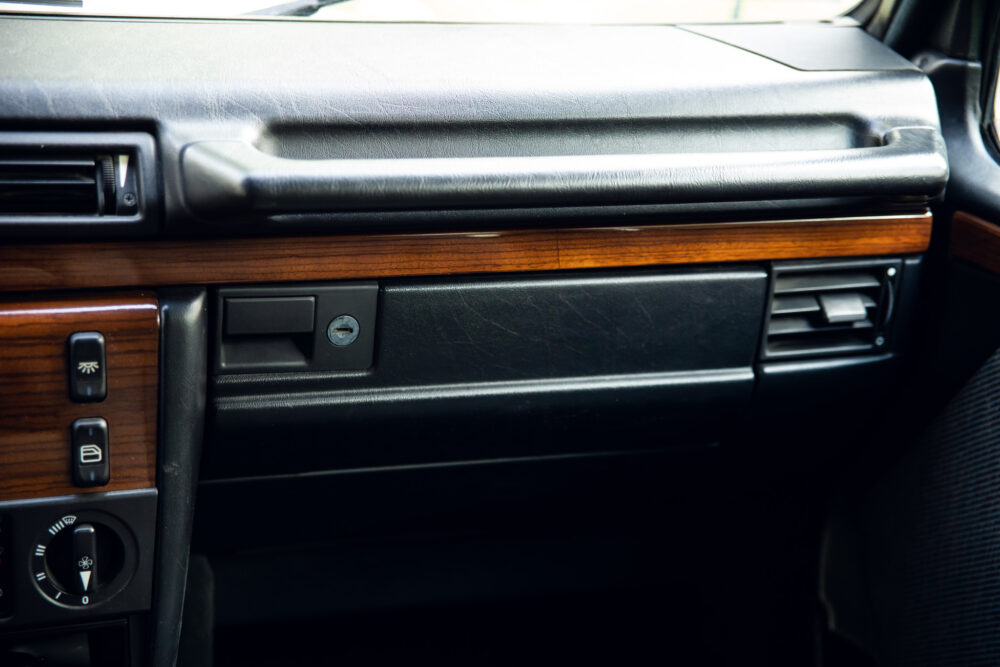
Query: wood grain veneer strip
[304,258]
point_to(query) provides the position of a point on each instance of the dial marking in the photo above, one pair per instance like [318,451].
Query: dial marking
[122,169]
[85,578]
[58,594]
[40,576]
[40,550]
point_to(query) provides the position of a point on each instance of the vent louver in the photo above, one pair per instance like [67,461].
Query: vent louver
[41,183]
[76,183]
[821,310]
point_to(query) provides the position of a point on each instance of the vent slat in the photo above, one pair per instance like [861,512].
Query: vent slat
[825,282]
[36,184]
[22,163]
[802,325]
[794,305]
[780,348]
[61,182]
[790,305]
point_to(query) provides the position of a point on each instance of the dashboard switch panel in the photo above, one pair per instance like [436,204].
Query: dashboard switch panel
[74,557]
[36,408]
[82,559]
[88,379]
[91,464]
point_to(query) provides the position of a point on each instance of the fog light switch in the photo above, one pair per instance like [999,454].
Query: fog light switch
[89,452]
[87,375]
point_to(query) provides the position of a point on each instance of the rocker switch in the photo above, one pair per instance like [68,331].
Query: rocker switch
[88,381]
[90,452]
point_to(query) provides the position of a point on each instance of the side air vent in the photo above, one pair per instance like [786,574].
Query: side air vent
[44,183]
[826,309]
[75,180]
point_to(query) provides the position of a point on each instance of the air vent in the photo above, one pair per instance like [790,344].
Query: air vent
[820,310]
[43,183]
[79,181]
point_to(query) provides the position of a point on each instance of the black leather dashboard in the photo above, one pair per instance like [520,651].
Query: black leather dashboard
[711,127]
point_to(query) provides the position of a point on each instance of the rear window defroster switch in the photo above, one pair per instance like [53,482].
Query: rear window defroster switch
[88,379]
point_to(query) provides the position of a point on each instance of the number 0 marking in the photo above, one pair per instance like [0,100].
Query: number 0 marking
[85,600]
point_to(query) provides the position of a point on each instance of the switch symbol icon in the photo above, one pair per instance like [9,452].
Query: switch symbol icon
[88,367]
[91,454]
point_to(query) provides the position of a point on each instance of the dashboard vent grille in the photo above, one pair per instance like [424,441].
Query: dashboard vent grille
[821,310]
[33,183]
[77,184]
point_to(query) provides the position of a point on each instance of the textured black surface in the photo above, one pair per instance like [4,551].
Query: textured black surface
[604,323]
[932,528]
[493,368]
[816,46]
[550,89]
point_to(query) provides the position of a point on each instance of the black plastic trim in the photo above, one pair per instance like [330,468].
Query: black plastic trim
[183,372]
[233,179]
[975,178]
[144,222]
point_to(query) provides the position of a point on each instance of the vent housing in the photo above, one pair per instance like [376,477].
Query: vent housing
[43,183]
[76,182]
[826,309]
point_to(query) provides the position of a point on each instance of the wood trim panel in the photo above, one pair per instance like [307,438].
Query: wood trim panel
[304,258]
[35,408]
[976,240]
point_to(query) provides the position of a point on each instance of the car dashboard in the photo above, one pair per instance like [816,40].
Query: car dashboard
[305,320]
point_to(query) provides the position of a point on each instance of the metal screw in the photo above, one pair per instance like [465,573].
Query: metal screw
[343,330]
[128,198]
[891,271]
[880,341]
